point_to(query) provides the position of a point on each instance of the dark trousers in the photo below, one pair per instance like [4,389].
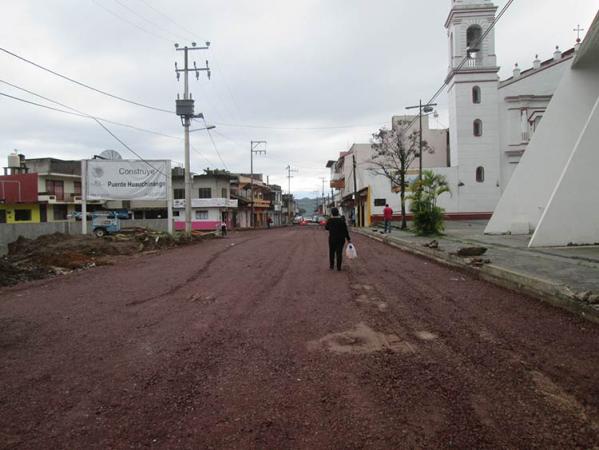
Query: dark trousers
[336,251]
[387,226]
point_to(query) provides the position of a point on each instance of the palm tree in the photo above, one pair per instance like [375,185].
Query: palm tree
[433,185]
[428,217]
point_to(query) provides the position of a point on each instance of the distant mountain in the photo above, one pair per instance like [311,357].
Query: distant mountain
[308,204]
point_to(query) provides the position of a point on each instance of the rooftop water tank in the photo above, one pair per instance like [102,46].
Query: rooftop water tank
[14,161]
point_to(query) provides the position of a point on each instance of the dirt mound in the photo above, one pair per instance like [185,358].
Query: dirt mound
[30,259]
[11,274]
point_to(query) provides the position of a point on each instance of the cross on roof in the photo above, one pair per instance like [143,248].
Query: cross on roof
[578,30]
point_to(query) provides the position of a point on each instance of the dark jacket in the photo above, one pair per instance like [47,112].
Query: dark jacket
[337,229]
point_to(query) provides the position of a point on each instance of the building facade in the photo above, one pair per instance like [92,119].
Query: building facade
[373,190]
[40,190]
[490,121]
[211,203]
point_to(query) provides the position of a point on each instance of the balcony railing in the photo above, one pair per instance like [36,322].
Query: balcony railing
[474,62]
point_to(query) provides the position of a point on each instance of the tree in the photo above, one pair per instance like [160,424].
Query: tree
[394,151]
[428,217]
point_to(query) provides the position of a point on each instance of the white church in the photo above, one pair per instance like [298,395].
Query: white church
[491,121]
[522,151]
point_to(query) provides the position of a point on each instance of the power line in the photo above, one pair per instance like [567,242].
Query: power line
[97,119]
[112,122]
[87,116]
[84,84]
[236,125]
[191,33]
[466,58]
[154,24]
[112,13]
[214,144]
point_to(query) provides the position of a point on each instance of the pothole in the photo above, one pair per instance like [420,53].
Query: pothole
[361,340]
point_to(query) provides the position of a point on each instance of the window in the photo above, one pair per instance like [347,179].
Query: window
[176,213]
[202,214]
[475,94]
[55,187]
[380,202]
[477,128]
[204,193]
[77,187]
[59,212]
[480,174]
[22,215]
[224,193]
[155,213]
[179,194]
[473,43]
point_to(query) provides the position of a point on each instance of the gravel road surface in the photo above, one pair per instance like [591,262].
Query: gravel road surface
[251,342]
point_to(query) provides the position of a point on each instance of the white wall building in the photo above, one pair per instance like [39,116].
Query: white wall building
[374,190]
[490,121]
[560,205]
[210,201]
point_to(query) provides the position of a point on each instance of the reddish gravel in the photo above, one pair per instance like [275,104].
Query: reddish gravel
[251,342]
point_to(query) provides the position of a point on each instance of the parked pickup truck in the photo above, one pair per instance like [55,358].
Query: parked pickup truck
[103,224]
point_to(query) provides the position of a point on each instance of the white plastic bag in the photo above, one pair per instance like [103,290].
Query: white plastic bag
[350,251]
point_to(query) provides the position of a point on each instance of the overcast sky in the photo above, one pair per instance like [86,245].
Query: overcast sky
[287,72]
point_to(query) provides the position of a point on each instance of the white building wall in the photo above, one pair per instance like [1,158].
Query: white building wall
[525,95]
[523,201]
[468,152]
[475,151]
[572,216]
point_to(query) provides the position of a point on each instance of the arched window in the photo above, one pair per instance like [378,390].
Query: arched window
[473,44]
[480,174]
[477,128]
[475,94]
[451,47]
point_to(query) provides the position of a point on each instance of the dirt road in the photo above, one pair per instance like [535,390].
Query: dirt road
[251,342]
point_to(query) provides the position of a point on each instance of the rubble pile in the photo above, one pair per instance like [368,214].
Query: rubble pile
[58,253]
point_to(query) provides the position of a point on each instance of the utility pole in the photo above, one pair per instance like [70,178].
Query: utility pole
[254,149]
[185,109]
[356,203]
[323,199]
[427,109]
[289,177]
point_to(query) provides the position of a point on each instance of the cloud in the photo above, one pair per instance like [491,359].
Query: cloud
[303,64]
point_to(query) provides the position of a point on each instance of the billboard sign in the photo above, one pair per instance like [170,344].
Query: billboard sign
[127,179]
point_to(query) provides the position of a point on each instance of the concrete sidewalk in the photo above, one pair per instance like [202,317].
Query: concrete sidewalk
[563,276]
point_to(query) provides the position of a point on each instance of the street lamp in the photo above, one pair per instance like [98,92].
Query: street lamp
[428,108]
[210,127]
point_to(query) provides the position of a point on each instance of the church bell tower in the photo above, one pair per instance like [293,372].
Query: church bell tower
[473,104]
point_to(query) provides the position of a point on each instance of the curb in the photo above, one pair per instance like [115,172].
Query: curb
[547,291]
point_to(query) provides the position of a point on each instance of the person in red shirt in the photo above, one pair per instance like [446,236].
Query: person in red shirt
[387,216]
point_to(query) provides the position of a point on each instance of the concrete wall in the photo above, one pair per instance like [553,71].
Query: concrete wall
[526,95]
[11,232]
[571,215]
[523,201]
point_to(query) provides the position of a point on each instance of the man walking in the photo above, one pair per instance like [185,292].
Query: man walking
[387,216]
[338,234]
